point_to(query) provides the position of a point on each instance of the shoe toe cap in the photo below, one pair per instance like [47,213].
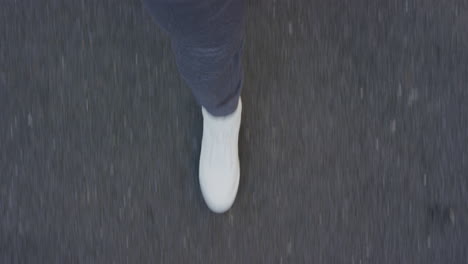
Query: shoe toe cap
[219,195]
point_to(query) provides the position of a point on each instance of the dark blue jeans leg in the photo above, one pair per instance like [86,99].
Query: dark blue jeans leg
[207,39]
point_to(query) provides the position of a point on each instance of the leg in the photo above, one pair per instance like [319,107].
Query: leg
[207,39]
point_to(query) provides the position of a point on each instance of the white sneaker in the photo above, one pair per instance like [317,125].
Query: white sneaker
[219,159]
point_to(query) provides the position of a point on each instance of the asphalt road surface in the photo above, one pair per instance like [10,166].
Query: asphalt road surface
[354,143]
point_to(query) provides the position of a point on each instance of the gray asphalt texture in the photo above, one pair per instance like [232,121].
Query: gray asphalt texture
[353,144]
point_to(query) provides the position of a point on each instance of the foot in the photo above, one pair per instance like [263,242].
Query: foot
[219,159]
